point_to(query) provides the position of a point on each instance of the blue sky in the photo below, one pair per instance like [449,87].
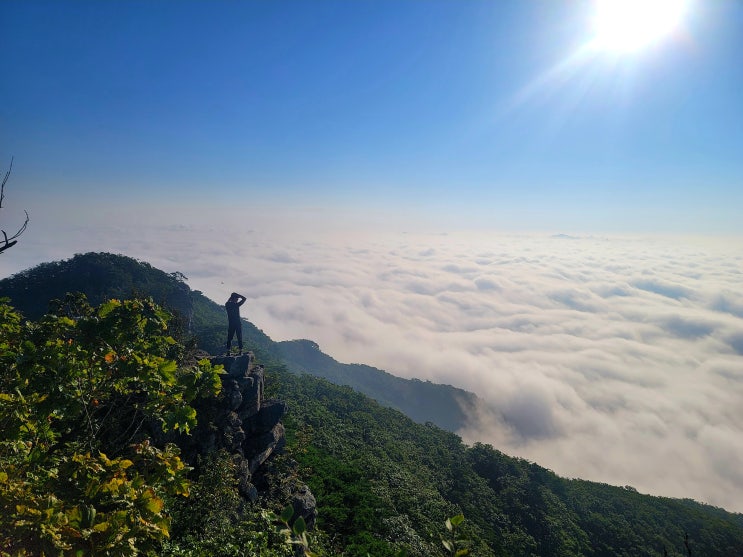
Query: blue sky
[478,113]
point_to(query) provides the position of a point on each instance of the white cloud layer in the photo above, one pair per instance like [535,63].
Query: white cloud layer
[612,359]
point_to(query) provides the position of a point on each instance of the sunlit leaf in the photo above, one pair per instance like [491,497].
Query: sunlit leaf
[167,370]
[155,505]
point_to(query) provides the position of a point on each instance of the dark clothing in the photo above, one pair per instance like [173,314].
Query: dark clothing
[233,321]
[233,310]
[233,328]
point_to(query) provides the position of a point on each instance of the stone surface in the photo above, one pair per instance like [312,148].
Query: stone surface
[240,422]
[235,366]
[233,394]
[259,447]
[304,505]
[269,415]
[251,389]
[244,477]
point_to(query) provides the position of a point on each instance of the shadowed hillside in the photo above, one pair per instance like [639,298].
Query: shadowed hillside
[423,401]
[105,276]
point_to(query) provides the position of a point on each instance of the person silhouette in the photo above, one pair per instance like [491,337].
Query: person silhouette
[233,321]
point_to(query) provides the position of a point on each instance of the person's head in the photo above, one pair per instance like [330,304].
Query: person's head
[234,296]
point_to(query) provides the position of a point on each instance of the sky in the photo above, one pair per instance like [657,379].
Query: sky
[488,114]
[485,194]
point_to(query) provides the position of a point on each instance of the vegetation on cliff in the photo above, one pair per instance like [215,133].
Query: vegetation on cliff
[83,392]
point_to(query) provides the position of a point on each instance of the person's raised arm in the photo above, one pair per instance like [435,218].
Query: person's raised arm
[241,300]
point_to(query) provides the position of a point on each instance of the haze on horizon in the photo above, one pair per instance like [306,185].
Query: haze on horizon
[478,193]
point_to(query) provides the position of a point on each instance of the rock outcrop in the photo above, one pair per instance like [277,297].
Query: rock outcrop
[248,427]
[242,422]
[304,505]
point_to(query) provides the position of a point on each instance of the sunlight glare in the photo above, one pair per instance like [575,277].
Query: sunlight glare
[630,25]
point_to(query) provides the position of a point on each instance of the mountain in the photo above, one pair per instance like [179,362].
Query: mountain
[423,401]
[385,483]
[103,276]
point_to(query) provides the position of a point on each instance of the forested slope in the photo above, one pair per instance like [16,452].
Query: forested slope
[378,476]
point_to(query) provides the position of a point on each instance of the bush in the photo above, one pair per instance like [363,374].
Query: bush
[82,392]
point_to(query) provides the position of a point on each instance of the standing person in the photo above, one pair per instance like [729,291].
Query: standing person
[233,320]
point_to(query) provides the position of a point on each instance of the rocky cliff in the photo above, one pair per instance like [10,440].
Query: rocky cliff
[246,425]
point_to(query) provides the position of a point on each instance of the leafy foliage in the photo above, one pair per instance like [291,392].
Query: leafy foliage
[454,543]
[296,533]
[82,393]
[215,521]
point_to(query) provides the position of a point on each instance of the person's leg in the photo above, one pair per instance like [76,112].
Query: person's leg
[239,331]
[231,329]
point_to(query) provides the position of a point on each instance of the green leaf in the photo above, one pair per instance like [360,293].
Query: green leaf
[155,505]
[300,526]
[287,513]
[167,370]
[457,520]
[108,307]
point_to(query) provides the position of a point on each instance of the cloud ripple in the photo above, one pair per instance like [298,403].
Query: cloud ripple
[613,359]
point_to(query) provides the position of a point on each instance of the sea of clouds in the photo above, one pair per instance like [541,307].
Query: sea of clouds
[615,359]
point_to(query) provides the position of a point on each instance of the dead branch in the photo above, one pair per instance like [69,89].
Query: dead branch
[10,241]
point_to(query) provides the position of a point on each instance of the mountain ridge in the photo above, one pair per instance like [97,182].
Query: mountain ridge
[423,401]
[104,275]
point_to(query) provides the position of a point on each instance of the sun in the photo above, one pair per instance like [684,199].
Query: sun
[631,25]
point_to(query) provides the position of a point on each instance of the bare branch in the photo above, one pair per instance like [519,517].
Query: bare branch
[10,241]
[5,180]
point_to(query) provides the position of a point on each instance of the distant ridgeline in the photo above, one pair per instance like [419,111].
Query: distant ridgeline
[423,401]
[385,484]
[105,276]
